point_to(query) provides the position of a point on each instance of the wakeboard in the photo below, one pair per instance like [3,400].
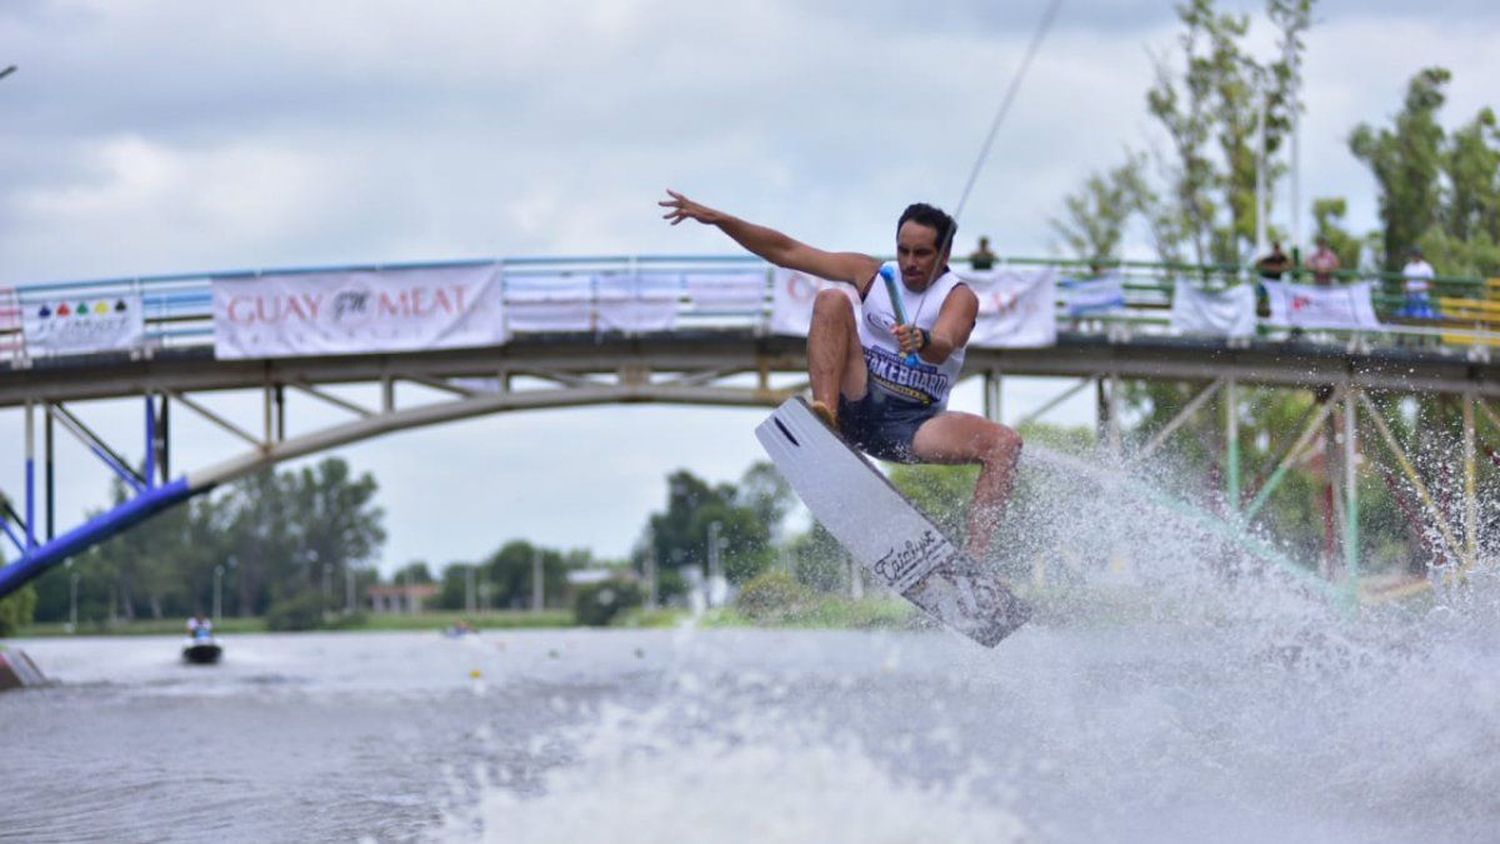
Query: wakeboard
[884,532]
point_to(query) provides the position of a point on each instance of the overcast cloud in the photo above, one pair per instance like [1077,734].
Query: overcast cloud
[171,135]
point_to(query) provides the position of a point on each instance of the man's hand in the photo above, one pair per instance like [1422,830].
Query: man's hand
[686,209]
[911,338]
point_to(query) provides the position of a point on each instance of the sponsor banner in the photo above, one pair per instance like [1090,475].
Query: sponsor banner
[792,295]
[1227,313]
[83,323]
[353,312]
[1016,308]
[740,290]
[633,303]
[1309,306]
[542,304]
[1093,296]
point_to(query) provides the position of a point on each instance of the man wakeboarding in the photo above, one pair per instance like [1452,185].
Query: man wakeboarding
[882,378]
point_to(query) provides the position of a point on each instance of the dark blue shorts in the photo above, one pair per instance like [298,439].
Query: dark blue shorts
[883,425]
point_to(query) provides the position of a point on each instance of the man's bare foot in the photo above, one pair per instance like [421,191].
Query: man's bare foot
[825,413]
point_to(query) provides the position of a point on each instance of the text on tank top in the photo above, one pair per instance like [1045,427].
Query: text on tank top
[923,382]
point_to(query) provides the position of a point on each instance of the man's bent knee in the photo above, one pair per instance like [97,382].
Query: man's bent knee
[832,303]
[1002,443]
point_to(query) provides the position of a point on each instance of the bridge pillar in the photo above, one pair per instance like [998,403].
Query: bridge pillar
[47,473]
[992,406]
[30,526]
[1351,496]
[1232,452]
[1471,507]
[1107,401]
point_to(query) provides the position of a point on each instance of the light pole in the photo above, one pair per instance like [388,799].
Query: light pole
[327,586]
[348,589]
[309,556]
[229,563]
[218,592]
[651,594]
[72,601]
[538,584]
[469,605]
[717,586]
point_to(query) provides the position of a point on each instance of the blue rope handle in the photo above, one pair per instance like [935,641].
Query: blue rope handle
[898,304]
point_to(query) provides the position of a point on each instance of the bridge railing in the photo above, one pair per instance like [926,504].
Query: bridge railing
[711,295]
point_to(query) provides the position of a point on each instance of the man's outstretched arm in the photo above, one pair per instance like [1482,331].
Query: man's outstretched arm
[774,246]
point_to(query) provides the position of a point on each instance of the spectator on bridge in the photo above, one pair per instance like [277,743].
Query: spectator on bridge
[982,258]
[1323,262]
[883,384]
[1273,264]
[1417,283]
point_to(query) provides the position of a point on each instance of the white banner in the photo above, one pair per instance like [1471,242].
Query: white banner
[1016,308]
[1227,313]
[548,303]
[737,290]
[1308,306]
[1093,296]
[792,297]
[638,302]
[82,324]
[352,312]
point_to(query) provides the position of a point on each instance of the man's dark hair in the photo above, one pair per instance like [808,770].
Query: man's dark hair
[933,218]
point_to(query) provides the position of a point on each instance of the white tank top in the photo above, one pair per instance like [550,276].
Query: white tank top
[923,383]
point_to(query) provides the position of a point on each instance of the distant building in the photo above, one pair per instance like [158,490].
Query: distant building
[409,598]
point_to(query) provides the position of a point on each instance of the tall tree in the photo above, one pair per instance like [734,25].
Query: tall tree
[747,516]
[1096,216]
[1407,162]
[1328,223]
[1212,112]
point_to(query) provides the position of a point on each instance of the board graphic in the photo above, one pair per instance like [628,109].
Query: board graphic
[883,531]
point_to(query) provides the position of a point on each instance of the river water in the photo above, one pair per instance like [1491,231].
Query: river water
[1265,726]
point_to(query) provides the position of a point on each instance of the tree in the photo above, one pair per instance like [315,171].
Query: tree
[765,492]
[454,594]
[510,572]
[1093,227]
[281,529]
[1328,217]
[747,515]
[1216,100]
[1407,162]
[17,610]
[416,571]
[336,519]
[1471,214]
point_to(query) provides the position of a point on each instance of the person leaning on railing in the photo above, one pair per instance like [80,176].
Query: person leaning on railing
[1417,278]
[1272,265]
[1323,262]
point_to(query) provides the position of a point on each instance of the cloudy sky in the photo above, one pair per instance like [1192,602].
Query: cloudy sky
[159,136]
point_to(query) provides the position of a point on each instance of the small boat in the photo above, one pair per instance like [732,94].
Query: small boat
[203,650]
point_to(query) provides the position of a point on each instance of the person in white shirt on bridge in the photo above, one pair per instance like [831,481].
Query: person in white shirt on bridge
[865,385]
[1418,286]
